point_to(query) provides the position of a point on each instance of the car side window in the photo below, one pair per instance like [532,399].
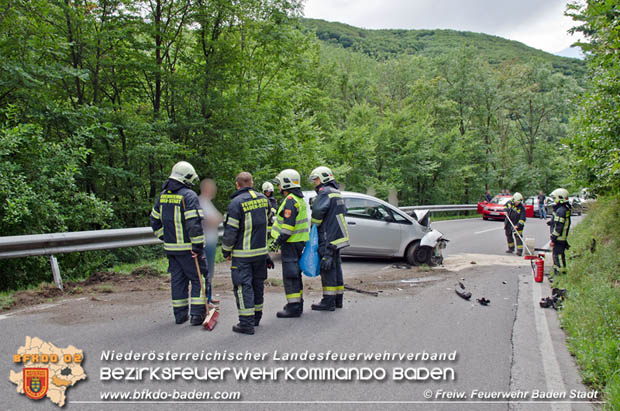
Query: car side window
[399,218]
[368,209]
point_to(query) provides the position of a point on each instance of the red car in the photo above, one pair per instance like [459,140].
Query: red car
[495,208]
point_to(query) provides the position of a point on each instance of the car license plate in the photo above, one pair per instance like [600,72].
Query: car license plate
[493,213]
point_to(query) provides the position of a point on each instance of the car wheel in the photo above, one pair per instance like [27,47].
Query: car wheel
[410,253]
[423,255]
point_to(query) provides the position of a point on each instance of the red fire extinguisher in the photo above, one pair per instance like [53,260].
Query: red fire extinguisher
[540,269]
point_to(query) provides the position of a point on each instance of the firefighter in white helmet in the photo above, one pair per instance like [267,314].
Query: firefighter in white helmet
[176,220]
[515,212]
[560,225]
[267,188]
[290,233]
[328,212]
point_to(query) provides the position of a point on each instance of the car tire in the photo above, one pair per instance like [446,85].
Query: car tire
[423,255]
[411,252]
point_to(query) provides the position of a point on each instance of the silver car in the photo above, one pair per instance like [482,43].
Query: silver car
[378,229]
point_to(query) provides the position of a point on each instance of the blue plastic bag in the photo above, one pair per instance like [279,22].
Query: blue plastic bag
[310,262]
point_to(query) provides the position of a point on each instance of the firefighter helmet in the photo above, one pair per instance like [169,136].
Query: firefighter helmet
[288,179]
[184,172]
[517,197]
[322,173]
[267,186]
[559,195]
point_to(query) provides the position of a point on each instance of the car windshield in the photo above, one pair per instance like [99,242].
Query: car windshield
[500,200]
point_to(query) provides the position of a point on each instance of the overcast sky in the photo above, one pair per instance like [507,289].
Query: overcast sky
[538,23]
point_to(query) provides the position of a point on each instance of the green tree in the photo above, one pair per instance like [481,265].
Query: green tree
[596,145]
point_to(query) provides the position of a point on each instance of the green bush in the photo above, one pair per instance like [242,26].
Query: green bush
[591,313]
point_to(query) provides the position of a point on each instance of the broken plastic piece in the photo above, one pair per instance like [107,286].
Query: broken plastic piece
[483,301]
[462,292]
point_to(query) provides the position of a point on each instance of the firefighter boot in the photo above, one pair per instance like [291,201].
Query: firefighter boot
[339,298]
[257,316]
[328,303]
[291,310]
[243,329]
[181,320]
[510,251]
[197,319]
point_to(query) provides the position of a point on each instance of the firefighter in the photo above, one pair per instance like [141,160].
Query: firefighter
[176,220]
[560,225]
[515,212]
[245,242]
[290,233]
[328,212]
[273,204]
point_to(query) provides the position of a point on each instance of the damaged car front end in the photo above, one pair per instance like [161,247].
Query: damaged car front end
[378,229]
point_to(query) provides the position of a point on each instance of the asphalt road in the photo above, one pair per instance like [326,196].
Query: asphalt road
[510,346]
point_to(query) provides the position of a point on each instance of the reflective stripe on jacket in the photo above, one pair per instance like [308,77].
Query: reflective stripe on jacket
[245,227]
[328,212]
[176,218]
[516,213]
[560,222]
[292,221]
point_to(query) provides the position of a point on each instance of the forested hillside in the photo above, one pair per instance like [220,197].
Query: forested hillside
[98,99]
[385,44]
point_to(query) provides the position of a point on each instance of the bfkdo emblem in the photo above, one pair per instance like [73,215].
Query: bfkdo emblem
[36,381]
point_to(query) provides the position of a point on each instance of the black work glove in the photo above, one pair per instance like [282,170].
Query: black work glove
[549,223]
[519,227]
[327,262]
[270,264]
[198,249]
[275,245]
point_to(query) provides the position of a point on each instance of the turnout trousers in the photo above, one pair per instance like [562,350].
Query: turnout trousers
[332,281]
[291,273]
[248,278]
[559,259]
[512,237]
[182,269]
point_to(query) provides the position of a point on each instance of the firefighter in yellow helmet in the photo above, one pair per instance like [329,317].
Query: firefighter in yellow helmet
[290,232]
[560,225]
[515,212]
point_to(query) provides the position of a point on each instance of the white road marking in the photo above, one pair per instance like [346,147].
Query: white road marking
[551,367]
[39,307]
[490,229]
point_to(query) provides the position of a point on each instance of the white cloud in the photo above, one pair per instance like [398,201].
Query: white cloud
[537,23]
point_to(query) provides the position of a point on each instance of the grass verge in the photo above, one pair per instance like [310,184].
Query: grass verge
[6,300]
[591,313]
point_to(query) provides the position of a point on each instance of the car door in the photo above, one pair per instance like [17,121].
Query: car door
[372,229]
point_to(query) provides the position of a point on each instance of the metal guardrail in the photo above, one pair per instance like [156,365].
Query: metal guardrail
[438,208]
[71,242]
[58,243]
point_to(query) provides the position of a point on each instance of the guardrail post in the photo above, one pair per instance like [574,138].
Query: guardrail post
[56,271]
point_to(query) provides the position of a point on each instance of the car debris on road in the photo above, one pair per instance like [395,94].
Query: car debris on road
[359,290]
[462,292]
